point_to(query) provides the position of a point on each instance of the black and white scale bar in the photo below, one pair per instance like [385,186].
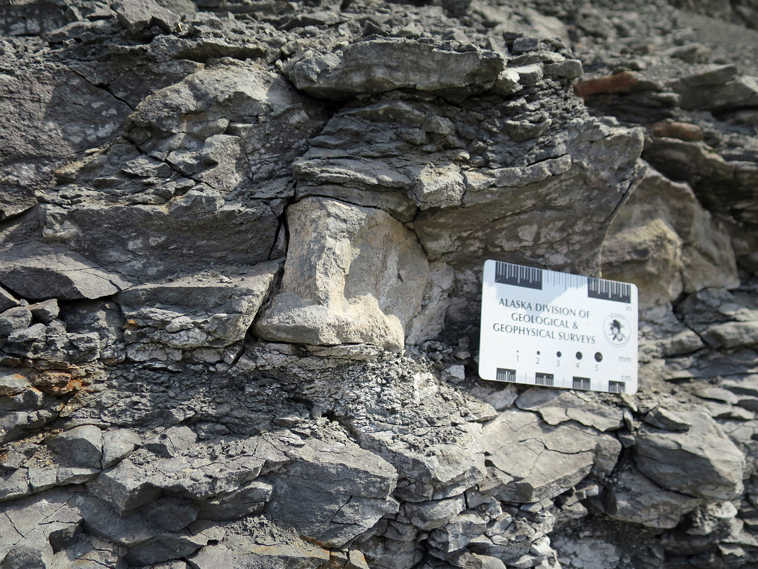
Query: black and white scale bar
[518,275]
[503,374]
[609,290]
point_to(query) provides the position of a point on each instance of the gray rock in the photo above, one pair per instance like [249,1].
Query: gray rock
[333,492]
[247,500]
[118,444]
[558,406]
[514,227]
[701,462]
[717,88]
[81,446]
[720,184]
[432,515]
[635,499]
[380,65]
[45,311]
[731,335]
[12,382]
[240,551]
[140,478]
[440,470]
[172,442]
[458,532]
[569,69]
[164,547]
[530,461]
[29,527]
[7,300]
[137,16]
[338,287]
[37,271]
[666,242]
[667,420]
[14,319]
[171,514]
[14,484]
[194,312]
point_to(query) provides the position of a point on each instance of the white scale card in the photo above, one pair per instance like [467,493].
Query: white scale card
[557,329]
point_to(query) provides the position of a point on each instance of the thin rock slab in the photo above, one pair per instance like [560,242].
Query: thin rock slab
[333,491]
[241,551]
[530,461]
[701,462]
[558,406]
[202,310]
[375,66]
[36,271]
[636,499]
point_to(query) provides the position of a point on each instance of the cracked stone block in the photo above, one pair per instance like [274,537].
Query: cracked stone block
[664,241]
[558,406]
[241,551]
[380,65]
[340,286]
[529,461]
[701,462]
[80,446]
[39,272]
[333,493]
[635,499]
[199,311]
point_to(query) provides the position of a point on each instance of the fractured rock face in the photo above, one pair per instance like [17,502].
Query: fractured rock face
[199,311]
[380,65]
[636,499]
[352,275]
[333,492]
[529,461]
[519,211]
[664,241]
[700,462]
[37,271]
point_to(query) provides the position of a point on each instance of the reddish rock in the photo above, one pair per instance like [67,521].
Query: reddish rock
[680,130]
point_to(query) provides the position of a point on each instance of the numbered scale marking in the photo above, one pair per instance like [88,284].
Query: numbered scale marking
[557,329]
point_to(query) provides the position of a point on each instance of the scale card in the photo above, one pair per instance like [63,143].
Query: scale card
[557,329]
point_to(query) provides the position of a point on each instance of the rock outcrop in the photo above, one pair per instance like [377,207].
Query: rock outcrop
[240,270]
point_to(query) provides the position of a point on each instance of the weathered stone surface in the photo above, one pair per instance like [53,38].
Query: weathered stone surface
[531,461]
[63,114]
[488,221]
[138,480]
[635,499]
[138,15]
[338,286]
[382,65]
[28,529]
[432,515]
[161,141]
[200,311]
[717,88]
[37,271]
[237,551]
[117,444]
[722,185]
[14,319]
[45,311]
[665,242]
[558,406]
[333,492]
[700,462]
[80,446]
